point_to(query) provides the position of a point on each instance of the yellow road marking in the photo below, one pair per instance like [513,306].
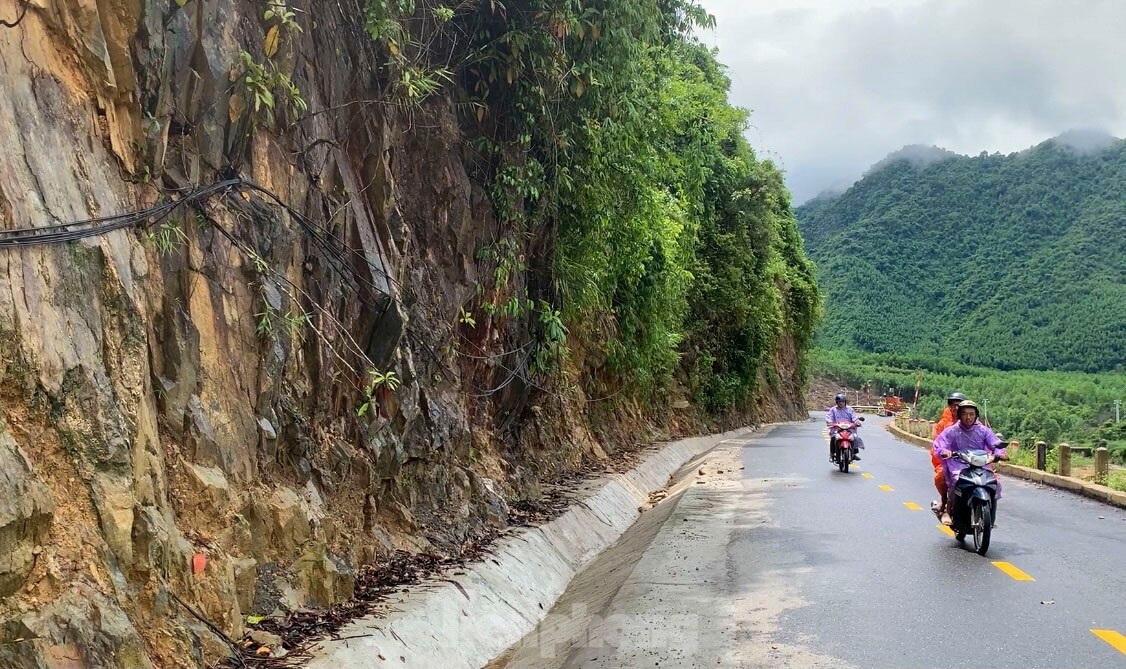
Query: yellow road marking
[912,506]
[887,488]
[1013,571]
[945,530]
[867,475]
[1115,639]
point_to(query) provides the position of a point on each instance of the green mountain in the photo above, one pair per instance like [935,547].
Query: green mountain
[1006,261]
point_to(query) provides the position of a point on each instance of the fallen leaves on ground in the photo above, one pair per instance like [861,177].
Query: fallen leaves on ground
[300,630]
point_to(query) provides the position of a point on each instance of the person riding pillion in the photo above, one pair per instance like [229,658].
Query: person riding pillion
[838,413]
[968,434]
[946,420]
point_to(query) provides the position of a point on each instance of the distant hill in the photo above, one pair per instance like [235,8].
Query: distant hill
[1014,261]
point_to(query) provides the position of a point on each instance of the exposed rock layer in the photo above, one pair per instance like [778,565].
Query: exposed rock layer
[159,441]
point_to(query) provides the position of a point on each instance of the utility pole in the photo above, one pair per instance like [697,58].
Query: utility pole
[918,383]
[985,410]
[1117,405]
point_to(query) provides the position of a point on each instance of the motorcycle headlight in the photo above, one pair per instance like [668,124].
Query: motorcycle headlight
[978,458]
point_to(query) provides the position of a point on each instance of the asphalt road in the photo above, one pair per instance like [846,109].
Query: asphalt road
[789,563]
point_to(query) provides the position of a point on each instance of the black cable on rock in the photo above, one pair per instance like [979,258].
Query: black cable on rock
[60,233]
[23,13]
[338,253]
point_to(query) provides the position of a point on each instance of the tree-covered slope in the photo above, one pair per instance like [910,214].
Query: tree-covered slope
[1014,261]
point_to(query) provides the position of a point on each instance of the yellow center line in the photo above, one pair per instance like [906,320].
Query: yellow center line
[1013,571]
[887,488]
[912,506]
[867,475]
[945,530]
[1115,639]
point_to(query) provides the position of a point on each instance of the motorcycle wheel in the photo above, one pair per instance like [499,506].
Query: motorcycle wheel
[982,526]
[842,460]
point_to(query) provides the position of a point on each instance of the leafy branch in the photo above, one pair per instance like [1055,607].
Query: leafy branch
[261,81]
[377,380]
[551,348]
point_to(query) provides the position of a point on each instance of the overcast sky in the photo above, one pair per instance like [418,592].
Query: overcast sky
[835,85]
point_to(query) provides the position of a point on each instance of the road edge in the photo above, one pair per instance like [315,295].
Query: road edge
[1094,491]
[468,618]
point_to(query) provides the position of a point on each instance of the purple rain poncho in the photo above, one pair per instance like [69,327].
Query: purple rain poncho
[836,414]
[957,438]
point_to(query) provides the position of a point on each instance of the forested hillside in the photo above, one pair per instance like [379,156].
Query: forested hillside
[1009,262]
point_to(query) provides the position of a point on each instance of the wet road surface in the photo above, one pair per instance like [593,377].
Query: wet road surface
[766,555]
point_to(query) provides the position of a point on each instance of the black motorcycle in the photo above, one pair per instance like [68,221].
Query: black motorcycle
[973,504]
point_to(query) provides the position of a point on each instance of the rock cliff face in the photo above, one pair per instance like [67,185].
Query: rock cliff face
[174,428]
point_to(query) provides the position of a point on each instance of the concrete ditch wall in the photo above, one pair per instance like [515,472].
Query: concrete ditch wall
[465,620]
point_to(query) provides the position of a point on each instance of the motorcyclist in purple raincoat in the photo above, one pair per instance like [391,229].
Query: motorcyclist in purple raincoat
[839,412]
[966,435]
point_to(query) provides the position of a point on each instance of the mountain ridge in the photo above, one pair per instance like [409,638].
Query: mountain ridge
[1007,261]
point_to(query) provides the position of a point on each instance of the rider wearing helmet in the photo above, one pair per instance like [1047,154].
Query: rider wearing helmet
[968,434]
[839,412]
[948,417]
[946,420]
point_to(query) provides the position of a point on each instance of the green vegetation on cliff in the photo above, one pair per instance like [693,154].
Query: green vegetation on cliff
[297,287]
[622,182]
[1011,262]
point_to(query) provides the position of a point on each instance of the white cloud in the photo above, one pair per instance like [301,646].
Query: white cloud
[834,85]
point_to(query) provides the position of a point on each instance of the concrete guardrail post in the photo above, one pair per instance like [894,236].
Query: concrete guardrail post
[1065,459]
[1041,455]
[1102,464]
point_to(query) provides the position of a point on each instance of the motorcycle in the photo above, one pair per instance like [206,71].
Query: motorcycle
[973,502]
[848,444]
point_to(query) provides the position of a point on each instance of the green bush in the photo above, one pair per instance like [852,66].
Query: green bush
[1117,479]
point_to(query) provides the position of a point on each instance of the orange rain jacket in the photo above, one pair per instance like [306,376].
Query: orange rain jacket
[948,419]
